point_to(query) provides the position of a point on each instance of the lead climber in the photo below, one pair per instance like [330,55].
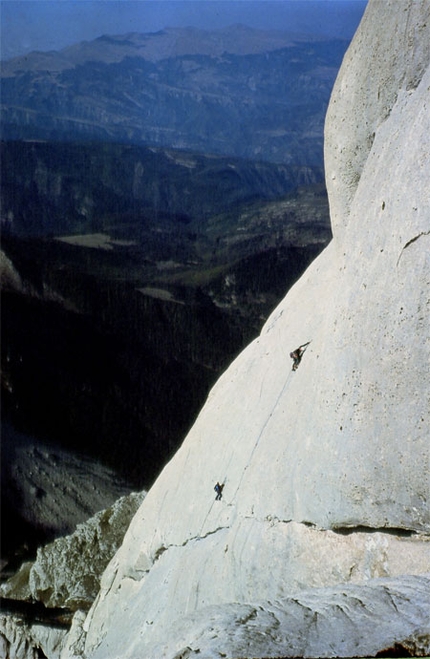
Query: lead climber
[218,489]
[297,355]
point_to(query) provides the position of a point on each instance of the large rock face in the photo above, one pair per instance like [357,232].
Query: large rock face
[326,469]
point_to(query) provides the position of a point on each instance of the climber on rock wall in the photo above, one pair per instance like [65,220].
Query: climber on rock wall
[218,489]
[297,355]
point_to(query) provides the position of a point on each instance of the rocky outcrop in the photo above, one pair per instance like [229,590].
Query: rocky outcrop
[66,573]
[325,469]
[20,639]
[64,578]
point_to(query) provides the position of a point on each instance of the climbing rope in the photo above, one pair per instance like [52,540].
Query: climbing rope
[254,448]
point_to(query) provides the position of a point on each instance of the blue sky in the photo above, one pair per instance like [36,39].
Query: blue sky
[53,24]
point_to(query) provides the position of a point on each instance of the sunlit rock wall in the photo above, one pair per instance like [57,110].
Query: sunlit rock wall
[326,469]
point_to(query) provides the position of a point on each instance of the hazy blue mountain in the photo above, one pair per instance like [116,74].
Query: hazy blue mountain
[239,91]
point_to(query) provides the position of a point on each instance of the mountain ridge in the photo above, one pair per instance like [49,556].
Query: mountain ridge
[268,104]
[236,39]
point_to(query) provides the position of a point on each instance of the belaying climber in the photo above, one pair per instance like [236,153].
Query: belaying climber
[218,489]
[297,355]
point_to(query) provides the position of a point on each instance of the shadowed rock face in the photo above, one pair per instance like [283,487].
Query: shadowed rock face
[325,469]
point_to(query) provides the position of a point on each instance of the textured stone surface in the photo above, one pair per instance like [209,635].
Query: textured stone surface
[20,639]
[74,644]
[316,623]
[326,469]
[387,59]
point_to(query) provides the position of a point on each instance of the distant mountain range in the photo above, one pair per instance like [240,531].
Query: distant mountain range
[238,91]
